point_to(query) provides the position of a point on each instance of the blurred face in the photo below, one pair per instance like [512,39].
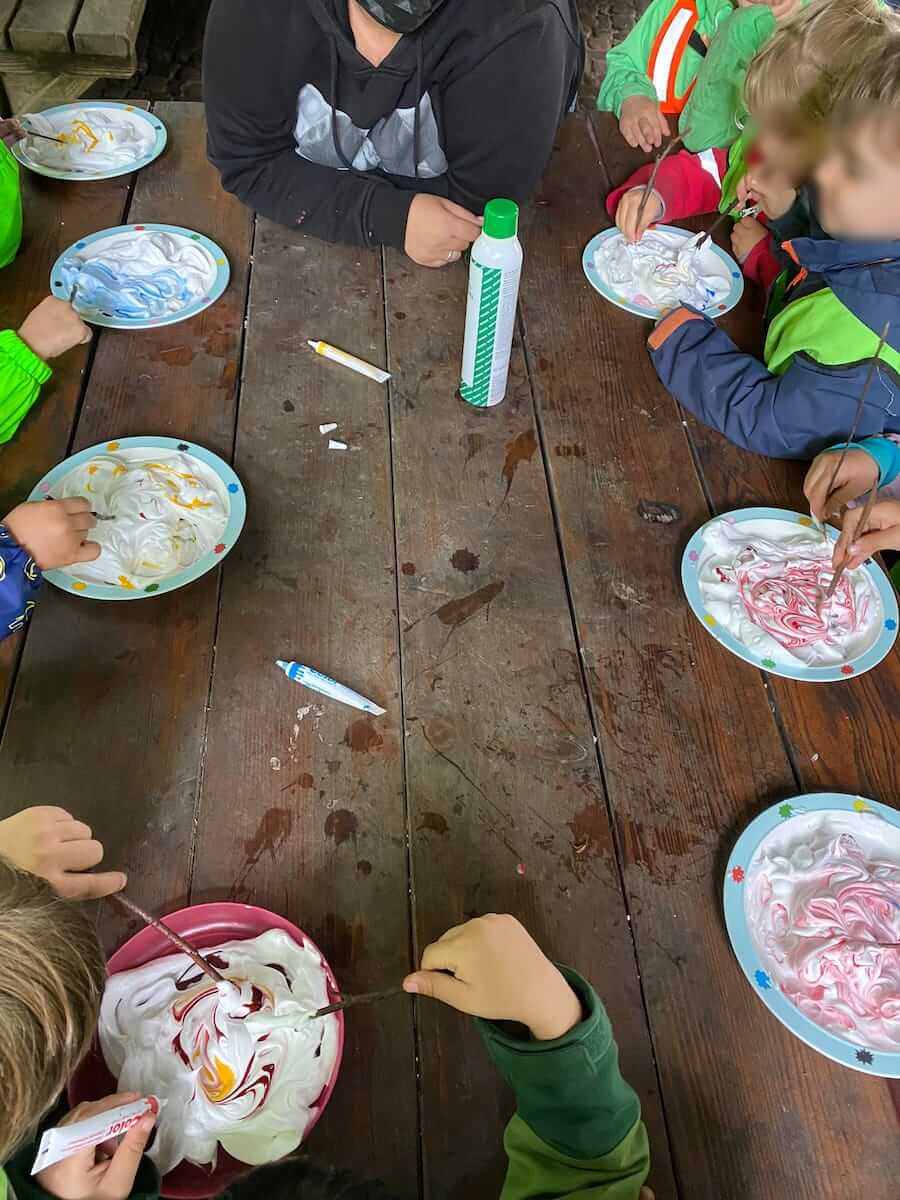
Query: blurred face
[859,185]
[785,156]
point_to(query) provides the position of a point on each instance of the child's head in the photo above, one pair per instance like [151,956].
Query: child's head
[51,980]
[859,178]
[790,85]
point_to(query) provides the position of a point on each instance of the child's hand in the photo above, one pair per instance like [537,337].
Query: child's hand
[103,1172]
[49,842]
[628,209]
[746,233]
[10,131]
[882,532]
[53,328]
[498,972]
[782,9]
[642,123]
[54,531]
[858,474]
[768,188]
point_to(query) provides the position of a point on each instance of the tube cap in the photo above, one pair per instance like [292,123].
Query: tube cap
[501,218]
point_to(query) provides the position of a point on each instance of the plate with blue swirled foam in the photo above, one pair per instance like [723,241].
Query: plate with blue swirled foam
[141,276]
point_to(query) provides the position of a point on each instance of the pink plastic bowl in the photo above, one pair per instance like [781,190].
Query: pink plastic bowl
[203,925]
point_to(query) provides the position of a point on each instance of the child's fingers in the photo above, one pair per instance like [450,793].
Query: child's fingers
[91,886]
[663,124]
[79,856]
[70,830]
[123,1166]
[849,529]
[87,552]
[437,985]
[650,133]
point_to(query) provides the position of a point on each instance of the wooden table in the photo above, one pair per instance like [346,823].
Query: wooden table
[563,740]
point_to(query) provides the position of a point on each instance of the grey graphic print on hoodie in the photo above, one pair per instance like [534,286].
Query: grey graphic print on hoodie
[306,131]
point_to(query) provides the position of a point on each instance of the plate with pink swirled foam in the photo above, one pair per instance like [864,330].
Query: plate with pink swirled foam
[812,908]
[756,580]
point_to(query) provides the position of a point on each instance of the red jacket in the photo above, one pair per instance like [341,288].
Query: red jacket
[690,185]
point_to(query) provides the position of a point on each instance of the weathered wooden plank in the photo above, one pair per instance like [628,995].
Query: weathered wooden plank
[7,12]
[302,807]
[506,801]
[44,26]
[56,215]
[689,746]
[109,709]
[109,27]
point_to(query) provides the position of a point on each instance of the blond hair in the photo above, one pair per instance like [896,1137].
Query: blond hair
[872,92]
[791,83]
[51,980]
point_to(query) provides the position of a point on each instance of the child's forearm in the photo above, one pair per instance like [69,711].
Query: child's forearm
[688,184]
[577,1125]
[793,415]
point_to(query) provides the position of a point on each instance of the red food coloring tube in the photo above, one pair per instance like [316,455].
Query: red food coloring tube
[64,1140]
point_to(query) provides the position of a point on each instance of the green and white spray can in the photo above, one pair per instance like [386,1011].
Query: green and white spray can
[494,276]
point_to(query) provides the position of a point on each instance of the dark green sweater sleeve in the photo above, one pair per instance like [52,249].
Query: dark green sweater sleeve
[577,1127]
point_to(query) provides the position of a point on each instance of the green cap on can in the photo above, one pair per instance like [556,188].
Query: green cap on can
[501,218]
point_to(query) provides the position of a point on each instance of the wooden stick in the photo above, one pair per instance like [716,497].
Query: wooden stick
[364,998]
[648,188]
[170,933]
[873,366]
[45,136]
[860,530]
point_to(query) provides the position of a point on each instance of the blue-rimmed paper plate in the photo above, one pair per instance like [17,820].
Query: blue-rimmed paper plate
[59,116]
[830,674]
[724,265]
[874,1060]
[136,590]
[94,243]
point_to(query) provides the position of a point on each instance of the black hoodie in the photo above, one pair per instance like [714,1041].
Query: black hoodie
[306,131]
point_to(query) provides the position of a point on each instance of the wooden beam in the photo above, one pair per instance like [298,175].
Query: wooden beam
[43,26]
[109,28]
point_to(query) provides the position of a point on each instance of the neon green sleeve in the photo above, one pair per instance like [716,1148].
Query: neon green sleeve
[22,375]
[10,207]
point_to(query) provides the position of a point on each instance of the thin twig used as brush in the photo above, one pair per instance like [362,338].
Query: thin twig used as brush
[870,376]
[170,933]
[364,998]
[860,529]
[648,187]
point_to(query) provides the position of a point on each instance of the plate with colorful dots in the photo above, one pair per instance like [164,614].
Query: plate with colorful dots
[97,139]
[141,276]
[712,261]
[167,512]
[755,580]
[811,896]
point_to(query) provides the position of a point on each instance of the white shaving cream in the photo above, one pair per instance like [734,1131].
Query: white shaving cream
[763,581]
[169,510]
[229,1078]
[94,140]
[822,892]
[662,270]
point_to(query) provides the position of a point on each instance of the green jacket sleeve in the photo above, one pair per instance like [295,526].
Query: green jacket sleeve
[26,1187]
[22,375]
[577,1131]
[627,65]
[10,207]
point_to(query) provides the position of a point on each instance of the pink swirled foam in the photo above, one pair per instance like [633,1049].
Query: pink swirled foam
[821,896]
[763,580]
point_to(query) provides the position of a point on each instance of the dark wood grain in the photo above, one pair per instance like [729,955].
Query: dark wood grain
[690,748]
[56,215]
[109,709]
[506,801]
[303,804]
